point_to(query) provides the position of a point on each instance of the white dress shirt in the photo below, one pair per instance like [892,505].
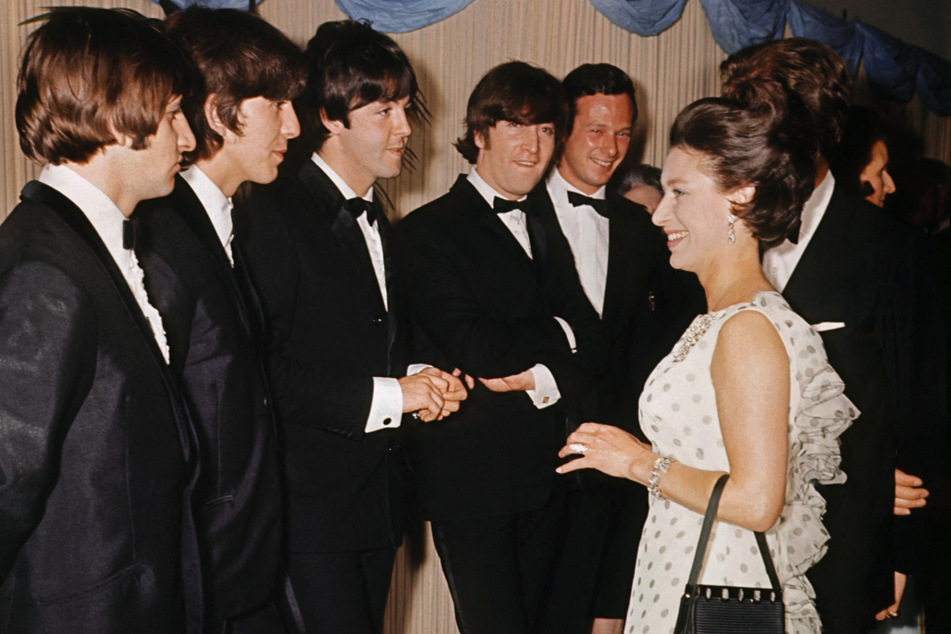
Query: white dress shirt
[216,204]
[107,220]
[546,391]
[386,407]
[588,234]
[780,261]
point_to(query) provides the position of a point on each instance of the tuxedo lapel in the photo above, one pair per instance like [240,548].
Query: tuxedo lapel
[538,239]
[73,216]
[79,223]
[343,226]
[187,205]
[821,253]
[473,203]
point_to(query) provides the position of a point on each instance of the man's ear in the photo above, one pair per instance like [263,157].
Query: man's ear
[122,139]
[210,110]
[335,126]
[479,139]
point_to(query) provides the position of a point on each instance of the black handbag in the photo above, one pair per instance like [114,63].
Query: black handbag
[728,609]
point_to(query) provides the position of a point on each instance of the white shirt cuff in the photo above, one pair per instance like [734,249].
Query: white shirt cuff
[386,409]
[546,391]
[569,334]
[416,368]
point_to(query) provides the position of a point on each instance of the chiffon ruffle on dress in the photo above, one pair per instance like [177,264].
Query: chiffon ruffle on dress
[678,414]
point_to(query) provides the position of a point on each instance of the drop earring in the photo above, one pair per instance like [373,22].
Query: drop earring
[730,236]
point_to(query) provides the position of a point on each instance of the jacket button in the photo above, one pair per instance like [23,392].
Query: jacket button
[377,319]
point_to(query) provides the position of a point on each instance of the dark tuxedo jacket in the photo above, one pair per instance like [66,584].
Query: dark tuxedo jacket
[215,355]
[860,269]
[481,304]
[96,455]
[328,335]
[647,305]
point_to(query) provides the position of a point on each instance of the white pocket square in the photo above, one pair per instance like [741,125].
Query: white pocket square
[825,326]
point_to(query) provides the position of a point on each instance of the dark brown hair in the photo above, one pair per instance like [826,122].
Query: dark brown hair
[863,128]
[87,69]
[744,146]
[630,173]
[237,55]
[596,79]
[796,72]
[350,65]
[514,91]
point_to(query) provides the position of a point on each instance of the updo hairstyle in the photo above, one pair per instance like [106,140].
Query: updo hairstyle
[756,146]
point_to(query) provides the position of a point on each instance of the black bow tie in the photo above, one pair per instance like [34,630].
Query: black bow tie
[358,206]
[502,205]
[598,204]
[793,234]
[128,234]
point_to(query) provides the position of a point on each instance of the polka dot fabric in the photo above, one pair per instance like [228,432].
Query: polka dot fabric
[678,413]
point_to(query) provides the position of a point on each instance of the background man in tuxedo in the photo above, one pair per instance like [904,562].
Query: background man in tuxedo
[96,455]
[242,117]
[621,259]
[477,260]
[852,273]
[317,248]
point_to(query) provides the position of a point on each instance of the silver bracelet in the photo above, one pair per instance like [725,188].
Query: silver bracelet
[661,465]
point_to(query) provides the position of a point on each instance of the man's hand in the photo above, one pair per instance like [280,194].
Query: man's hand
[454,392]
[909,494]
[423,394]
[514,383]
[891,612]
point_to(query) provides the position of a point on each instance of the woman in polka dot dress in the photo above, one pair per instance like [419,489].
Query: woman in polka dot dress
[747,390]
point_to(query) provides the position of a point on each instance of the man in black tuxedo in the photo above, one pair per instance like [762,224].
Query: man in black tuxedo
[97,458]
[317,248]
[242,117]
[488,299]
[622,262]
[853,274]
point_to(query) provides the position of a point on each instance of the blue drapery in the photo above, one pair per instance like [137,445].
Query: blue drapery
[400,16]
[215,4]
[895,69]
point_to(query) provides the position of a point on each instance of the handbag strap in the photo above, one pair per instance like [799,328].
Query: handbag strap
[708,519]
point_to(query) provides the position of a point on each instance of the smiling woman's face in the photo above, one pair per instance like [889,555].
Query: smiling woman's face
[693,213]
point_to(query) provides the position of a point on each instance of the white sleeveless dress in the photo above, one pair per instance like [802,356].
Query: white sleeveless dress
[678,414]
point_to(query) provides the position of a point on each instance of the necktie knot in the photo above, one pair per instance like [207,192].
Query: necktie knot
[128,234]
[356,207]
[502,205]
[793,233]
[600,205]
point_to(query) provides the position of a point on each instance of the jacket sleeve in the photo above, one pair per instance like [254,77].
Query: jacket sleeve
[454,317]
[306,391]
[47,361]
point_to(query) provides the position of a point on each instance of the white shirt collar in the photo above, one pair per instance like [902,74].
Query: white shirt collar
[485,190]
[335,178]
[106,218]
[780,262]
[559,187]
[102,212]
[815,208]
[216,204]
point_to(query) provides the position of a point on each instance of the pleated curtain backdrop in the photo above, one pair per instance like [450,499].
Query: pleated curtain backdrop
[670,70]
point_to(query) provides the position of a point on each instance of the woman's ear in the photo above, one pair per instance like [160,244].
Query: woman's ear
[742,195]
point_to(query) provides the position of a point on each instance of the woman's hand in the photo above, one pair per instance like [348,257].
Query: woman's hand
[610,450]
